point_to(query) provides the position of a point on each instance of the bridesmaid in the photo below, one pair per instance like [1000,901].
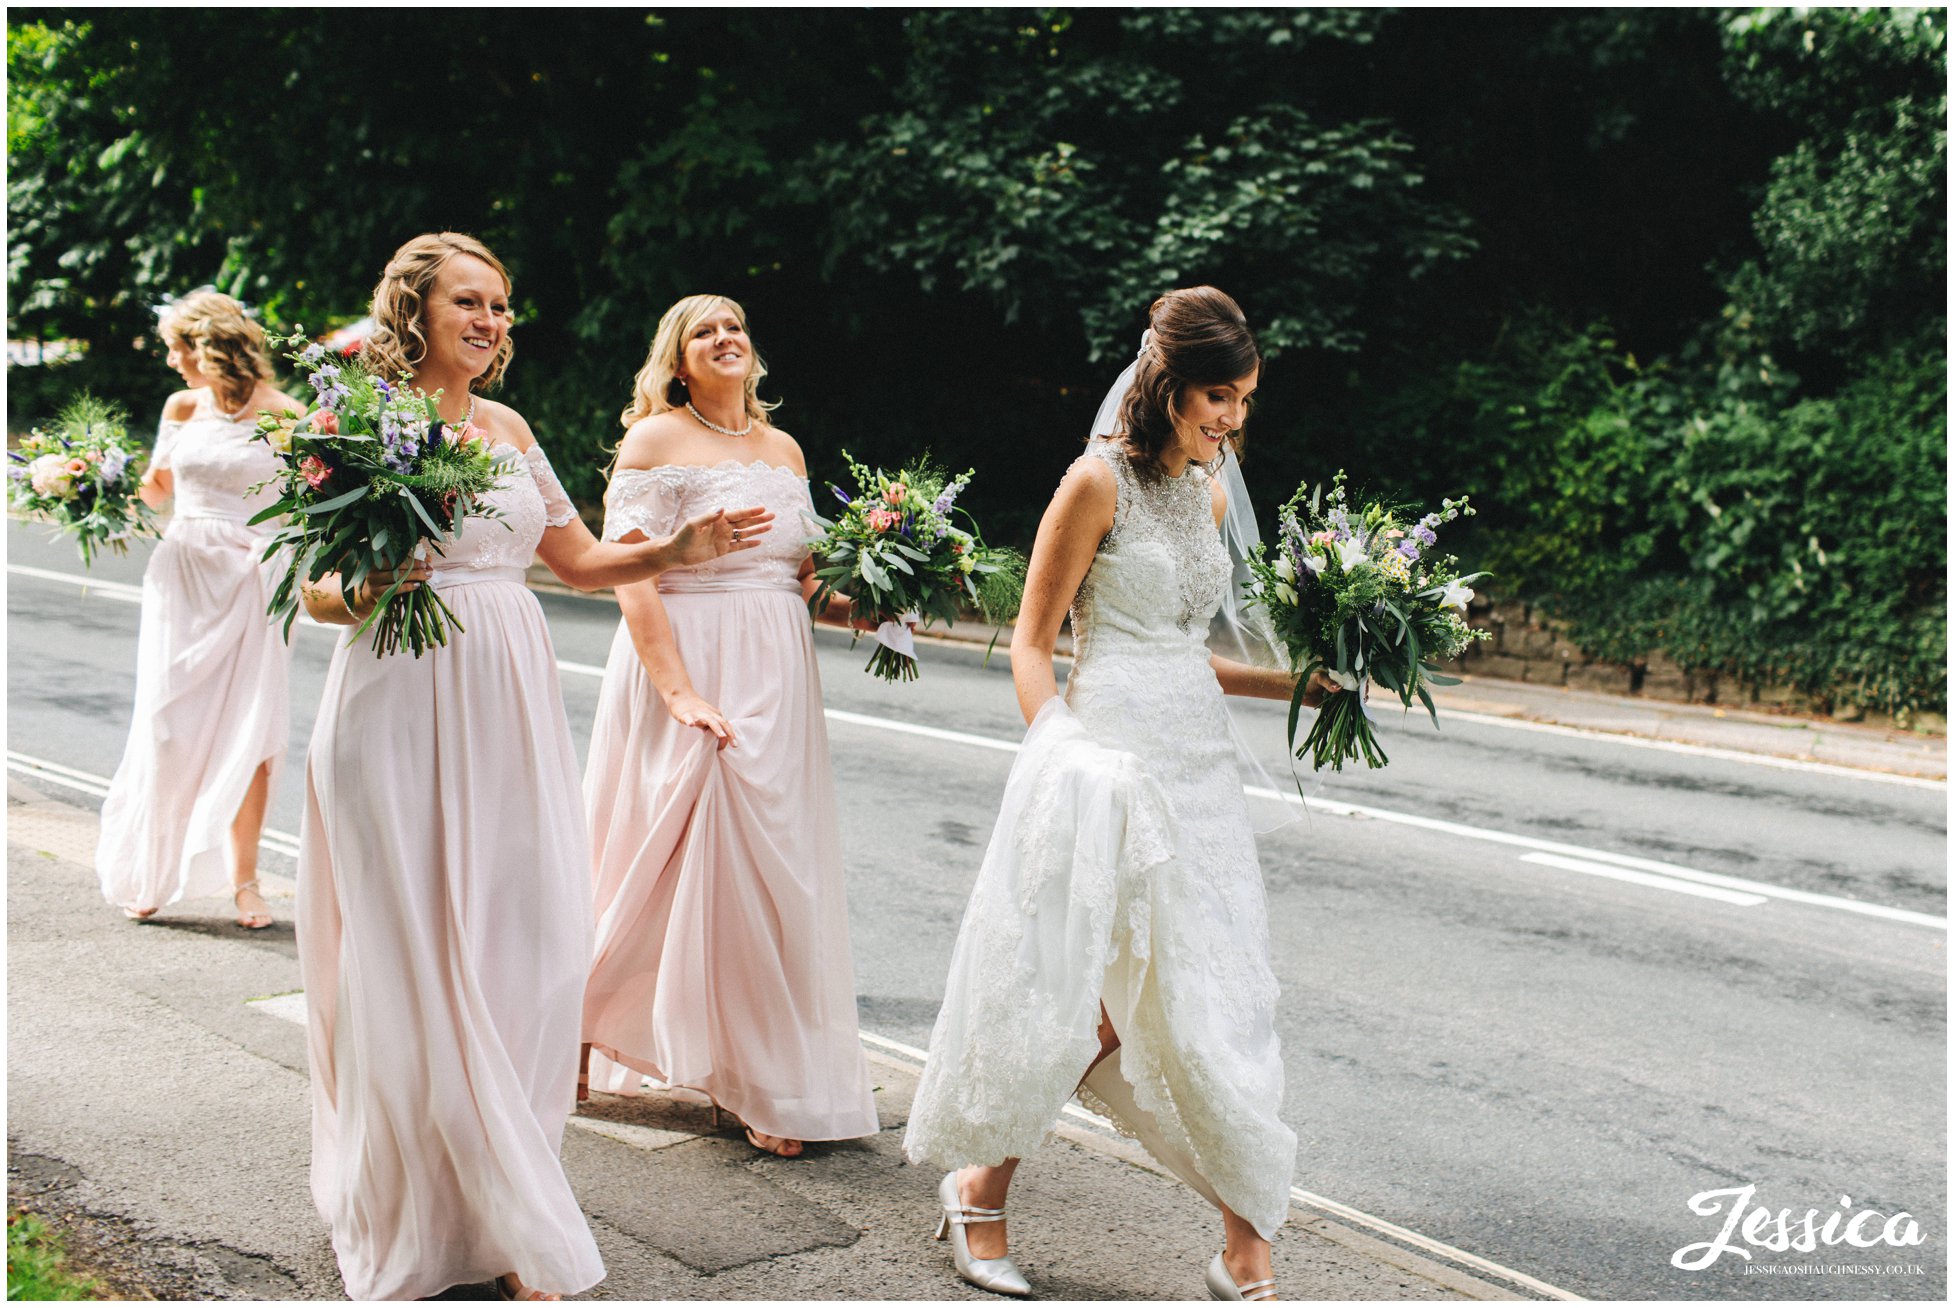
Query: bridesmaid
[187,804]
[443,918]
[722,957]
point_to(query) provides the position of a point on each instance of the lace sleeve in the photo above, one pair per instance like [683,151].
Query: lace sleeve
[647,500]
[556,502]
[159,456]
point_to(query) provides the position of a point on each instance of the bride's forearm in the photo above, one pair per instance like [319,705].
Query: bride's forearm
[1258,683]
[1032,675]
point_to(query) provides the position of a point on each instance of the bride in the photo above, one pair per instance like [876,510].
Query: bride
[1117,931]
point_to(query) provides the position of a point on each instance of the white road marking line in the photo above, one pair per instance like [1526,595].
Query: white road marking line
[118,590]
[115,590]
[913,729]
[291,1008]
[1698,751]
[1342,809]
[278,842]
[1620,860]
[1645,879]
[122,590]
[33,768]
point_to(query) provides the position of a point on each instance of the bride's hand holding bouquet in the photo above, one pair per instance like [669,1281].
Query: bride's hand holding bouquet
[1358,596]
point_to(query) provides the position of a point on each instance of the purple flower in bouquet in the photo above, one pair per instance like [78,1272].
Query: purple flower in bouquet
[326,384]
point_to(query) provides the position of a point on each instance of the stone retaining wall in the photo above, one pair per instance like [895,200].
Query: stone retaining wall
[1528,646]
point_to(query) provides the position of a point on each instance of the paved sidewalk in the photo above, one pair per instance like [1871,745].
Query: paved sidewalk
[157,1087]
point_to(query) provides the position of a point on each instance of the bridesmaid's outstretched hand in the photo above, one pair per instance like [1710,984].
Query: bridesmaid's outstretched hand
[723,531]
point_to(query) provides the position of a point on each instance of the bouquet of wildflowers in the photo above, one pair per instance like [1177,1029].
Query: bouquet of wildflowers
[82,475]
[1360,596]
[895,551]
[366,476]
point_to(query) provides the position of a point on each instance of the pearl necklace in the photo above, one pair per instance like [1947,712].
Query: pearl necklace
[466,418]
[723,431]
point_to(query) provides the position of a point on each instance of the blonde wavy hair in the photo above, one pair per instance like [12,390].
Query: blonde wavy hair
[657,389]
[229,348]
[398,343]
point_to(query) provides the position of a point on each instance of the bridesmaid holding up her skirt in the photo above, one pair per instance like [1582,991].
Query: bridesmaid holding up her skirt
[187,804]
[444,915]
[722,957]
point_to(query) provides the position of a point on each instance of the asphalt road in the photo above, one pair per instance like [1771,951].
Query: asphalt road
[1492,1038]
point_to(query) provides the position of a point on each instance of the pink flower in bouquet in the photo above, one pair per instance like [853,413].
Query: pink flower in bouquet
[314,470]
[882,519]
[325,422]
[467,432]
[77,466]
[93,456]
[895,493]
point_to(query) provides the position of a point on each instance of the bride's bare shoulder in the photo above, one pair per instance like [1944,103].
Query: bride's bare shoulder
[1088,493]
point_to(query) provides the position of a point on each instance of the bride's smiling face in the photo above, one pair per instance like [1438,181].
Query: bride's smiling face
[1206,415]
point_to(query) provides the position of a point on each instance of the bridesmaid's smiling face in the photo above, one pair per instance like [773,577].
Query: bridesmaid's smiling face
[183,358]
[1207,415]
[466,317]
[717,347]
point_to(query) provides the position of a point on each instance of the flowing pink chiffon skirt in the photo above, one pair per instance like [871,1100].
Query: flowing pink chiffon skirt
[212,707]
[722,957]
[444,928]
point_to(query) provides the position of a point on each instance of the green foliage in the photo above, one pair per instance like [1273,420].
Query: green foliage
[36,1265]
[1421,212]
[1075,167]
[1852,227]
[1702,509]
[1817,537]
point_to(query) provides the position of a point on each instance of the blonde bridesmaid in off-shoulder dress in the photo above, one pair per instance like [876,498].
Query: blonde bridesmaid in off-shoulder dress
[722,957]
[444,916]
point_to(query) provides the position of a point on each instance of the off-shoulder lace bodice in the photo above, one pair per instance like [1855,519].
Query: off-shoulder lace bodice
[655,501]
[528,499]
[214,460]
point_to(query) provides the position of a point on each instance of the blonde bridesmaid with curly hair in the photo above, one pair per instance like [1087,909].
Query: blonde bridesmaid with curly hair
[722,958]
[444,912]
[187,805]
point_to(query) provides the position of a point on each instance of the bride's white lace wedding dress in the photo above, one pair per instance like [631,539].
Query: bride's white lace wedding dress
[1122,869]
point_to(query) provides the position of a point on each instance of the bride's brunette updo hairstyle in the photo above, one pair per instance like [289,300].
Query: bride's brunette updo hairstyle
[229,348]
[657,389]
[398,343]
[1199,338]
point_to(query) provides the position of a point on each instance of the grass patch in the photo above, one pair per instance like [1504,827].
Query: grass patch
[35,1261]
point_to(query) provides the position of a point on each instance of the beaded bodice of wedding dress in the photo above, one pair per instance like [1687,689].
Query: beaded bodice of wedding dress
[1123,871]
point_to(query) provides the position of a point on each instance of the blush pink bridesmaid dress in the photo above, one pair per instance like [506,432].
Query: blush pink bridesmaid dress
[212,669]
[722,958]
[443,929]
